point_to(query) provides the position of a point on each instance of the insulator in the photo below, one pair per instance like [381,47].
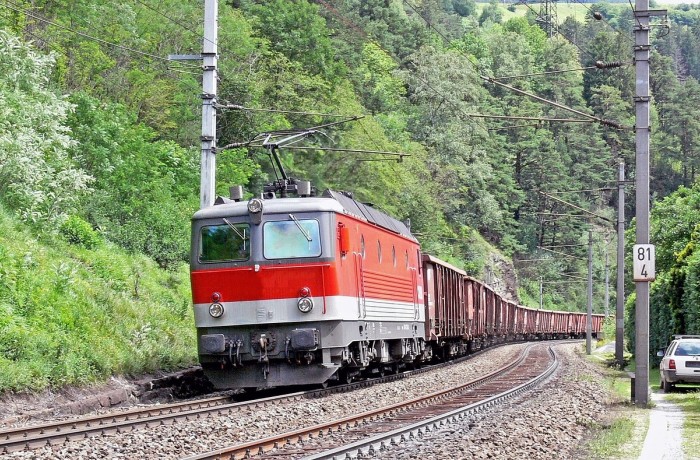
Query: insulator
[608,65]
[613,124]
[597,15]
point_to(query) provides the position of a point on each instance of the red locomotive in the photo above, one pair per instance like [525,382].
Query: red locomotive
[302,290]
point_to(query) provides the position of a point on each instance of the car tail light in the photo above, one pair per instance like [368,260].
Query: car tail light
[672,364]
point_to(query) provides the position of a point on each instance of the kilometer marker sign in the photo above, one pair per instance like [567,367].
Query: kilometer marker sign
[644,266]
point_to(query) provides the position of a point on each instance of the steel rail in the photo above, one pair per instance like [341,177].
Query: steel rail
[11,438]
[371,446]
[259,447]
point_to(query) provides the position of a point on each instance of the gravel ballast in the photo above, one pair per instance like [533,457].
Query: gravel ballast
[547,423]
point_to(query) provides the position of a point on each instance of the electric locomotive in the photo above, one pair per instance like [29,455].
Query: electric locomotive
[295,289]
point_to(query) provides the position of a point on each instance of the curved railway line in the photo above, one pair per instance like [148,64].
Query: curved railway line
[52,434]
[352,435]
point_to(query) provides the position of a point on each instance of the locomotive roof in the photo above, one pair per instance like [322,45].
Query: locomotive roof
[330,201]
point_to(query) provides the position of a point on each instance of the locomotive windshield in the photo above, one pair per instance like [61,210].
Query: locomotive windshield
[224,242]
[291,239]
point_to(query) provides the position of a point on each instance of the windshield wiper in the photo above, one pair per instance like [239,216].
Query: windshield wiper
[301,229]
[241,236]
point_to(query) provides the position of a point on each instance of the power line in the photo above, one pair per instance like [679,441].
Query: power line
[430,25]
[515,117]
[585,211]
[492,80]
[18,9]
[550,72]
[599,65]
[527,125]
[600,17]
[189,29]
[524,2]
[292,112]
[555,104]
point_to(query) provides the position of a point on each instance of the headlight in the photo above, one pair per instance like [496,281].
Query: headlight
[255,205]
[305,304]
[216,310]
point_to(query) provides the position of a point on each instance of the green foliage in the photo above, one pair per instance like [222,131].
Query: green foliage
[145,190]
[72,315]
[37,178]
[491,14]
[464,7]
[76,231]
[296,30]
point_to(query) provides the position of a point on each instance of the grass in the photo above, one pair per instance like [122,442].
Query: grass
[73,316]
[689,402]
[621,435]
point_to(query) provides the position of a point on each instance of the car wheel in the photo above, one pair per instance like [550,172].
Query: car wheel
[662,385]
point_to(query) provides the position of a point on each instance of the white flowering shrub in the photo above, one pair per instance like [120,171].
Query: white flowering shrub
[37,177]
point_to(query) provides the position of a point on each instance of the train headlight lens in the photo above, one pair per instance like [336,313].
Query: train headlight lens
[305,304]
[255,205]
[216,310]
[304,292]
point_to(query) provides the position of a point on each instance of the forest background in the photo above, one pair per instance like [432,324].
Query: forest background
[99,154]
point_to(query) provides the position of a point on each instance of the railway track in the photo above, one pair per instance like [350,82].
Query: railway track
[352,435]
[59,433]
[35,436]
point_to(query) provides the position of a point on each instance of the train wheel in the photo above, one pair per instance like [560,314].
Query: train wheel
[344,377]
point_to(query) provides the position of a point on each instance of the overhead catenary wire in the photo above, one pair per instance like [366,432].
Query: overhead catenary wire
[333,149]
[598,66]
[19,9]
[291,112]
[527,125]
[585,211]
[555,104]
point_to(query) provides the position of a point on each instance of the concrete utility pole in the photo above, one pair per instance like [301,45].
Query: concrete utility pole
[209,61]
[620,306]
[642,100]
[589,310]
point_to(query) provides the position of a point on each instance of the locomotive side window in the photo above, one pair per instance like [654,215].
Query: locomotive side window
[224,242]
[288,239]
[379,251]
[393,254]
[362,246]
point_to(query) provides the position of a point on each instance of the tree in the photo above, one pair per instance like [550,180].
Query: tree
[37,177]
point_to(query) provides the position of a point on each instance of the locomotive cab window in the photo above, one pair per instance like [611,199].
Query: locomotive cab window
[289,239]
[224,242]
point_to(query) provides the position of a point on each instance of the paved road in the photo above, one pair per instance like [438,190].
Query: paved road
[663,441]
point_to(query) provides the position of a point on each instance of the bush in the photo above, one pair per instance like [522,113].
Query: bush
[69,316]
[77,231]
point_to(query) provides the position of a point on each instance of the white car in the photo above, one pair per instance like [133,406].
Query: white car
[681,362]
